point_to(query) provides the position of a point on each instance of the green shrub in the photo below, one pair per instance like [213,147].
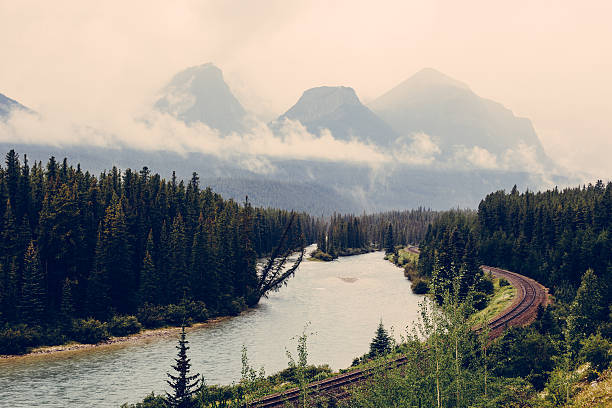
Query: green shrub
[503,282]
[229,306]
[151,316]
[18,339]
[480,300]
[89,331]
[420,287]
[486,285]
[507,392]
[523,352]
[196,311]
[124,325]
[187,312]
[597,351]
[175,315]
[150,401]
[291,374]
[323,256]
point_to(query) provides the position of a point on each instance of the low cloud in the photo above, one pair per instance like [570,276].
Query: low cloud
[257,149]
[417,149]
[252,150]
[475,156]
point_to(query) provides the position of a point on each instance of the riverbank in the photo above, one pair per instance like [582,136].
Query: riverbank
[144,335]
[408,260]
[343,315]
[319,255]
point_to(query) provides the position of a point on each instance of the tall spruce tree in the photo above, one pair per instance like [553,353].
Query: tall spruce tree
[389,240]
[113,258]
[203,264]
[33,299]
[183,385]
[178,276]
[149,277]
[98,285]
[67,305]
[587,310]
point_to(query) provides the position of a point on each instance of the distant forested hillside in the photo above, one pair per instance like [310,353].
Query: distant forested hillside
[350,234]
[316,199]
[75,246]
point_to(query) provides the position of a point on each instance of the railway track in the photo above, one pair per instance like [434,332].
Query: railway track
[523,310]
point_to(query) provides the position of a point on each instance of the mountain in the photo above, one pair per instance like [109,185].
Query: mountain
[200,94]
[7,105]
[454,116]
[339,109]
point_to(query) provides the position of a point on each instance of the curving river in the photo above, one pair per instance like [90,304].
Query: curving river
[343,301]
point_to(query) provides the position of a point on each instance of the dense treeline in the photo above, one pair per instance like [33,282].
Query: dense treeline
[350,234]
[407,227]
[552,236]
[343,235]
[75,246]
[449,251]
[563,239]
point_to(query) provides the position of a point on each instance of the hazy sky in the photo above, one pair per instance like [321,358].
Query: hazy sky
[550,61]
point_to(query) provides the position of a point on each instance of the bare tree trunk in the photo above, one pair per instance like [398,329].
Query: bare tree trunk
[438,381]
[485,368]
[457,369]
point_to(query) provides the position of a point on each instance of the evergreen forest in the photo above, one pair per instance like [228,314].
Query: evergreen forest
[344,235]
[84,257]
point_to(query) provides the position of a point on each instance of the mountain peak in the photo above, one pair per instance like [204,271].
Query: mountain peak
[433,77]
[338,109]
[200,94]
[342,94]
[320,101]
[7,105]
[454,116]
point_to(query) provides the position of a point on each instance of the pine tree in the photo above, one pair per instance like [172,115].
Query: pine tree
[3,280]
[10,241]
[178,275]
[245,275]
[98,285]
[149,278]
[381,343]
[113,258]
[203,264]
[587,310]
[67,305]
[389,241]
[32,304]
[182,384]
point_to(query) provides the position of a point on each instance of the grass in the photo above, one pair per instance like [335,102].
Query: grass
[314,259]
[502,298]
[596,394]
[403,257]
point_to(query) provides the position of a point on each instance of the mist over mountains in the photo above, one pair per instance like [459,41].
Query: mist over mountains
[199,94]
[338,110]
[7,105]
[454,116]
[430,142]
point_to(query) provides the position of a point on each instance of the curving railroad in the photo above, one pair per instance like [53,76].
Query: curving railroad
[523,310]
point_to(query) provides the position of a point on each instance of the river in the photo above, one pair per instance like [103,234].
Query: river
[342,301]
